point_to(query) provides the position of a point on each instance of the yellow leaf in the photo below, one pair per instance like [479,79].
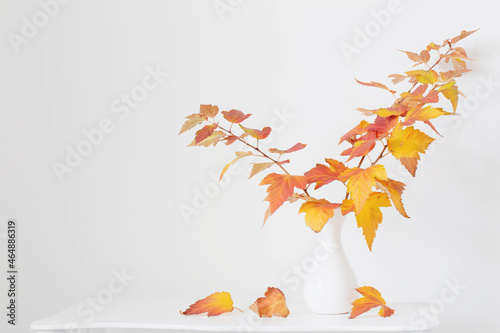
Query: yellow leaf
[239,154]
[370,215]
[318,212]
[423,114]
[361,182]
[422,76]
[406,145]
[450,91]
[395,190]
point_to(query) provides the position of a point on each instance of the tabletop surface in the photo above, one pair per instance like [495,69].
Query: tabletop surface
[150,313]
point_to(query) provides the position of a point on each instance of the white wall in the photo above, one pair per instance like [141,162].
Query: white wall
[120,208]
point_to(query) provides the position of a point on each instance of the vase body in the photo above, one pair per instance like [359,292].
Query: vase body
[330,287]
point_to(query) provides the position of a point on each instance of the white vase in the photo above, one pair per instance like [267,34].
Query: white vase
[330,287]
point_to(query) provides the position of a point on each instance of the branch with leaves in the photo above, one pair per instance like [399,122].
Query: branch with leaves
[393,130]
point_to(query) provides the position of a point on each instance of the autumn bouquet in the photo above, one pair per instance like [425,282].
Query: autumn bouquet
[391,130]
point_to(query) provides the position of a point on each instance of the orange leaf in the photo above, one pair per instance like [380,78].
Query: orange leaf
[204,133]
[361,182]
[418,58]
[361,146]
[281,187]
[382,125]
[318,212]
[462,35]
[272,304]
[255,133]
[192,121]
[360,129]
[395,189]
[211,140]
[213,305]
[370,216]
[296,147]
[322,174]
[406,145]
[235,116]
[371,299]
[209,110]
[376,85]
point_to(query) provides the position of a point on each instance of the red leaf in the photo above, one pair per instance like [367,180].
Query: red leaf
[204,133]
[255,133]
[322,174]
[235,116]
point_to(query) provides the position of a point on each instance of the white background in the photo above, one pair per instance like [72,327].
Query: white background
[120,208]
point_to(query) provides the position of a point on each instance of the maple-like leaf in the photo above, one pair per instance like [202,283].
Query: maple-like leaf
[396,78]
[376,85]
[361,146]
[272,304]
[231,139]
[450,91]
[423,114]
[239,154]
[324,174]
[383,125]
[213,305]
[209,110]
[395,189]
[259,167]
[423,76]
[361,181]
[318,212]
[462,35]
[192,121]
[211,140]
[255,133]
[370,216]
[423,57]
[407,144]
[360,129]
[281,187]
[296,147]
[371,299]
[204,133]
[235,116]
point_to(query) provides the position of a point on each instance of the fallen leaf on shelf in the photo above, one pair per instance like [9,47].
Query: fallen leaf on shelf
[213,305]
[371,299]
[272,304]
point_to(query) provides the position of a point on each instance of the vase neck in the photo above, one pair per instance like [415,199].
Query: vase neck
[333,228]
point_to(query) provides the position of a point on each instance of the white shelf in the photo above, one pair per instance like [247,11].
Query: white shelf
[149,313]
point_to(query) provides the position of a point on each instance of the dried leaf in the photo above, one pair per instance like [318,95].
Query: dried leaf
[239,154]
[209,110]
[255,133]
[272,304]
[235,116]
[213,305]
[395,189]
[376,85]
[192,121]
[371,299]
[324,174]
